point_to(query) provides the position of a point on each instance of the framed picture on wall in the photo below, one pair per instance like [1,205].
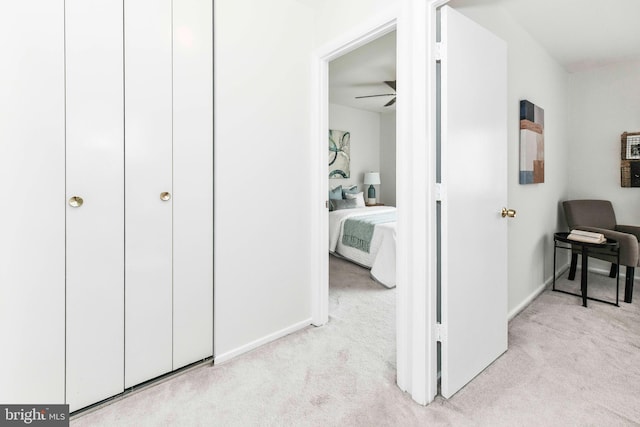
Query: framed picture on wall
[339,154]
[633,147]
[531,143]
[630,159]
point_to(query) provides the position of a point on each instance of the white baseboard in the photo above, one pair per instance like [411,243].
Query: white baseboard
[622,271]
[513,313]
[221,358]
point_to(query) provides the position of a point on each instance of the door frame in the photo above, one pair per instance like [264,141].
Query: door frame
[415,22]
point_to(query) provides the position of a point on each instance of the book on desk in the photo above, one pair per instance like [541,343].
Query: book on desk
[587,236]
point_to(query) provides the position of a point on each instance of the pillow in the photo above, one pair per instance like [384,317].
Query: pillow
[338,204]
[349,190]
[359,198]
[335,193]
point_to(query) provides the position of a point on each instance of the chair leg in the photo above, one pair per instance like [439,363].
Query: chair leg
[614,270]
[574,264]
[628,284]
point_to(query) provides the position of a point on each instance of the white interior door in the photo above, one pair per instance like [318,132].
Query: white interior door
[32,213]
[192,181]
[148,174]
[95,172]
[474,235]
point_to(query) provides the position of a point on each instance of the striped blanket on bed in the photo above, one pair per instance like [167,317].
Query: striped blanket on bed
[358,231]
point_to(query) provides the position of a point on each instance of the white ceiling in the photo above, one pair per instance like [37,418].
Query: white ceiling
[579,34]
[363,72]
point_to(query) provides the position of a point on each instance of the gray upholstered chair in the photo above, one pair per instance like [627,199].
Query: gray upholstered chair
[598,216]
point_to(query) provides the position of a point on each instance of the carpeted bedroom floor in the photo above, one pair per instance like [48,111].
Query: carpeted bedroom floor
[566,366]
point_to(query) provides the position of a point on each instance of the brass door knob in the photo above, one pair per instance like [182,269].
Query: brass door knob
[165,196]
[76,201]
[508,212]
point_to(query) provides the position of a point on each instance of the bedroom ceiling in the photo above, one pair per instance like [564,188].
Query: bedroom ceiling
[363,72]
[578,34]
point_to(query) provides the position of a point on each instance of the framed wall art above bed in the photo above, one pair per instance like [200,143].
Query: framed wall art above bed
[339,153]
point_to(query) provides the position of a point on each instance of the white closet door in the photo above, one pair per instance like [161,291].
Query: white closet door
[474,173]
[148,159]
[32,213]
[95,230]
[193,181]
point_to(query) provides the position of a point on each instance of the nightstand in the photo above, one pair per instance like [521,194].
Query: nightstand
[375,204]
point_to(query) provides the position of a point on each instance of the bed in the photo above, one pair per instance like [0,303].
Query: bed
[381,257]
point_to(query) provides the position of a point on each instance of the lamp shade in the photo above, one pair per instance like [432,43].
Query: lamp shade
[372,178]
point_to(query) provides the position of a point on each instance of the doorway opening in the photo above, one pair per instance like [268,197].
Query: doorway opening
[415,175]
[319,213]
[362,184]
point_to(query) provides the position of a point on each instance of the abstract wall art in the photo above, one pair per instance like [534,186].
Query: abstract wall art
[339,154]
[531,143]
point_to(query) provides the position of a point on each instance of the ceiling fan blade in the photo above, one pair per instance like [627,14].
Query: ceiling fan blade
[391,83]
[371,96]
[393,101]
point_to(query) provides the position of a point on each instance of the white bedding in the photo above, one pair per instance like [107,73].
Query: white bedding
[381,258]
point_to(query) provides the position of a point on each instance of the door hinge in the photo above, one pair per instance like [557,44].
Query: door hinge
[439,191]
[441,332]
[326,204]
[438,51]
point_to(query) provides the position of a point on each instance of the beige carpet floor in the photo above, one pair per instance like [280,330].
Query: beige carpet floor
[566,366]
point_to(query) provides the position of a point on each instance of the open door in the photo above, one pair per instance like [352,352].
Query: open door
[474,179]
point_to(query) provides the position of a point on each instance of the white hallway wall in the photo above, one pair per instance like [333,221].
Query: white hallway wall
[364,127]
[603,103]
[337,18]
[262,161]
[532,75]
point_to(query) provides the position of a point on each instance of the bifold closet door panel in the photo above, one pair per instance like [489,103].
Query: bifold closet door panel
[95,227]
[32,213]
[192,181]
[148,158]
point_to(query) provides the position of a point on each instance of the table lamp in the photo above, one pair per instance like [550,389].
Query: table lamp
[371,178]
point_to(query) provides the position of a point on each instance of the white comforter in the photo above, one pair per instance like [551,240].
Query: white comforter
[382,255]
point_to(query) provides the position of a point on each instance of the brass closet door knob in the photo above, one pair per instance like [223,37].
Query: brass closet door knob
[76,201]
[165,196]
[508,212]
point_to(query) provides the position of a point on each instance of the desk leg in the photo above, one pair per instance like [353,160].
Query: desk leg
[583,275]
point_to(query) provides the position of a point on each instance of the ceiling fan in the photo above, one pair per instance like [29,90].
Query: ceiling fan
[392,85]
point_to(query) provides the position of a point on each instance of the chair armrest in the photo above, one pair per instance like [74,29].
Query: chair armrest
[629,246]
[631,229]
